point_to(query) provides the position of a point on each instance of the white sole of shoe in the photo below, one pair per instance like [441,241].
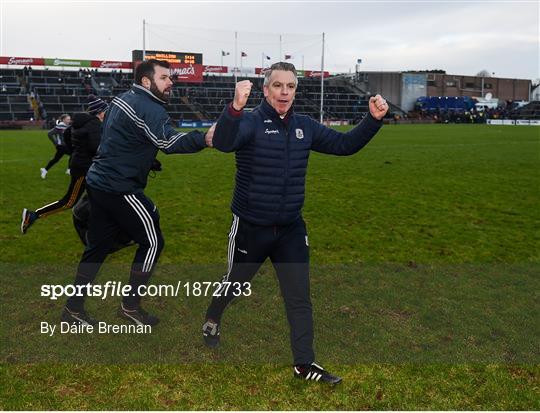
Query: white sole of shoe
[22,220]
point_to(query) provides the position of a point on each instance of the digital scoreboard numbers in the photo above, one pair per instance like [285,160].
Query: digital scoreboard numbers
[171,57]
[192,59]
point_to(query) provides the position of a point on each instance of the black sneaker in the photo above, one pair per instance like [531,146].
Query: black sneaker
[210,331]
[315,372]
[80,317]
[28,218]
[138,316]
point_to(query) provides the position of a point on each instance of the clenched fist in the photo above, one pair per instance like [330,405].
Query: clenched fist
[241,94]
[378,106]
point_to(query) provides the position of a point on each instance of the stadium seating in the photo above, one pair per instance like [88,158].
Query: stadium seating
[14,99]
[60,92]
[530,111]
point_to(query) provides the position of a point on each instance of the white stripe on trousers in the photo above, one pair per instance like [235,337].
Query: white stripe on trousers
[230,250]
[152,251]
[148,224]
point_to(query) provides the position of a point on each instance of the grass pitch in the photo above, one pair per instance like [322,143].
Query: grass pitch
[424,283]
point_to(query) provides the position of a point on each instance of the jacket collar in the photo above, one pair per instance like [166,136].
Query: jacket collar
[271,112]
[142,90]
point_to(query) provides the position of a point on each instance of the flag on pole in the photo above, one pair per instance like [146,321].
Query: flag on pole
[224,53]
[244,54]
[288,56]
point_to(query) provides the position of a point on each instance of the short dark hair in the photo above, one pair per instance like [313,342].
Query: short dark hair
[146,69]
[288,67]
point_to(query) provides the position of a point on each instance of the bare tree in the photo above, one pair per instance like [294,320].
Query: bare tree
[484,73]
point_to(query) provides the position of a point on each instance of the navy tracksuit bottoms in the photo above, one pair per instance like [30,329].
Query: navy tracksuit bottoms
[287,247]
[110,214]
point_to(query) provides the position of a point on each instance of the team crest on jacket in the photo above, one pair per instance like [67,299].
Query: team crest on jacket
[299,134]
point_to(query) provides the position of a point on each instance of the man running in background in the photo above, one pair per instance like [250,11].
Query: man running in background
[56,136]
[84,137]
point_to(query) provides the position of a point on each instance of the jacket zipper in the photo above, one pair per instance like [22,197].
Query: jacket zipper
[284,196]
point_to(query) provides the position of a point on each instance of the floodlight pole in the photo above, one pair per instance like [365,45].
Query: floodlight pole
[322,79]
[482,93]
[143,40]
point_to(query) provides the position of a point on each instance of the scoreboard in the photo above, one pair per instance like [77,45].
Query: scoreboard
[171,57]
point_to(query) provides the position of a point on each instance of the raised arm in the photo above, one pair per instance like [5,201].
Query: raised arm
[326,140]
[233,129]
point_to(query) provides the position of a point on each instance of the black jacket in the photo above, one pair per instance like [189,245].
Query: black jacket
[272,157]
[84,140]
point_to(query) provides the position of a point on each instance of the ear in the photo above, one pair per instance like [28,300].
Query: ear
[265,90]
[146,82]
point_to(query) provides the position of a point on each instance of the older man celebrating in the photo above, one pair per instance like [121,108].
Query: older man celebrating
[272,145]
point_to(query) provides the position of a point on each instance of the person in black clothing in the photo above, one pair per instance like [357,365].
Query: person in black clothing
[272,145]
[83,137]
[56,136]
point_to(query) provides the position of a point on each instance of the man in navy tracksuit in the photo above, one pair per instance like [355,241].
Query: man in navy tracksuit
[272,145]
[135,127]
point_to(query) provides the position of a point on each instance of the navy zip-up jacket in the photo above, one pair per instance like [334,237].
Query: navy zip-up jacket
[272,156]
[136,126]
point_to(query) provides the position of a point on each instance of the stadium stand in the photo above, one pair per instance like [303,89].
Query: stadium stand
[529,111]
[14,97]
[45,94]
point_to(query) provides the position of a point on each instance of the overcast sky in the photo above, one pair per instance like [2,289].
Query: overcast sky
[457,36]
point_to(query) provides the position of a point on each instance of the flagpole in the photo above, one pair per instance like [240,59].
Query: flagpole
[235,56]
[322,78]
[280,55]
[222,58]
[262,61]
